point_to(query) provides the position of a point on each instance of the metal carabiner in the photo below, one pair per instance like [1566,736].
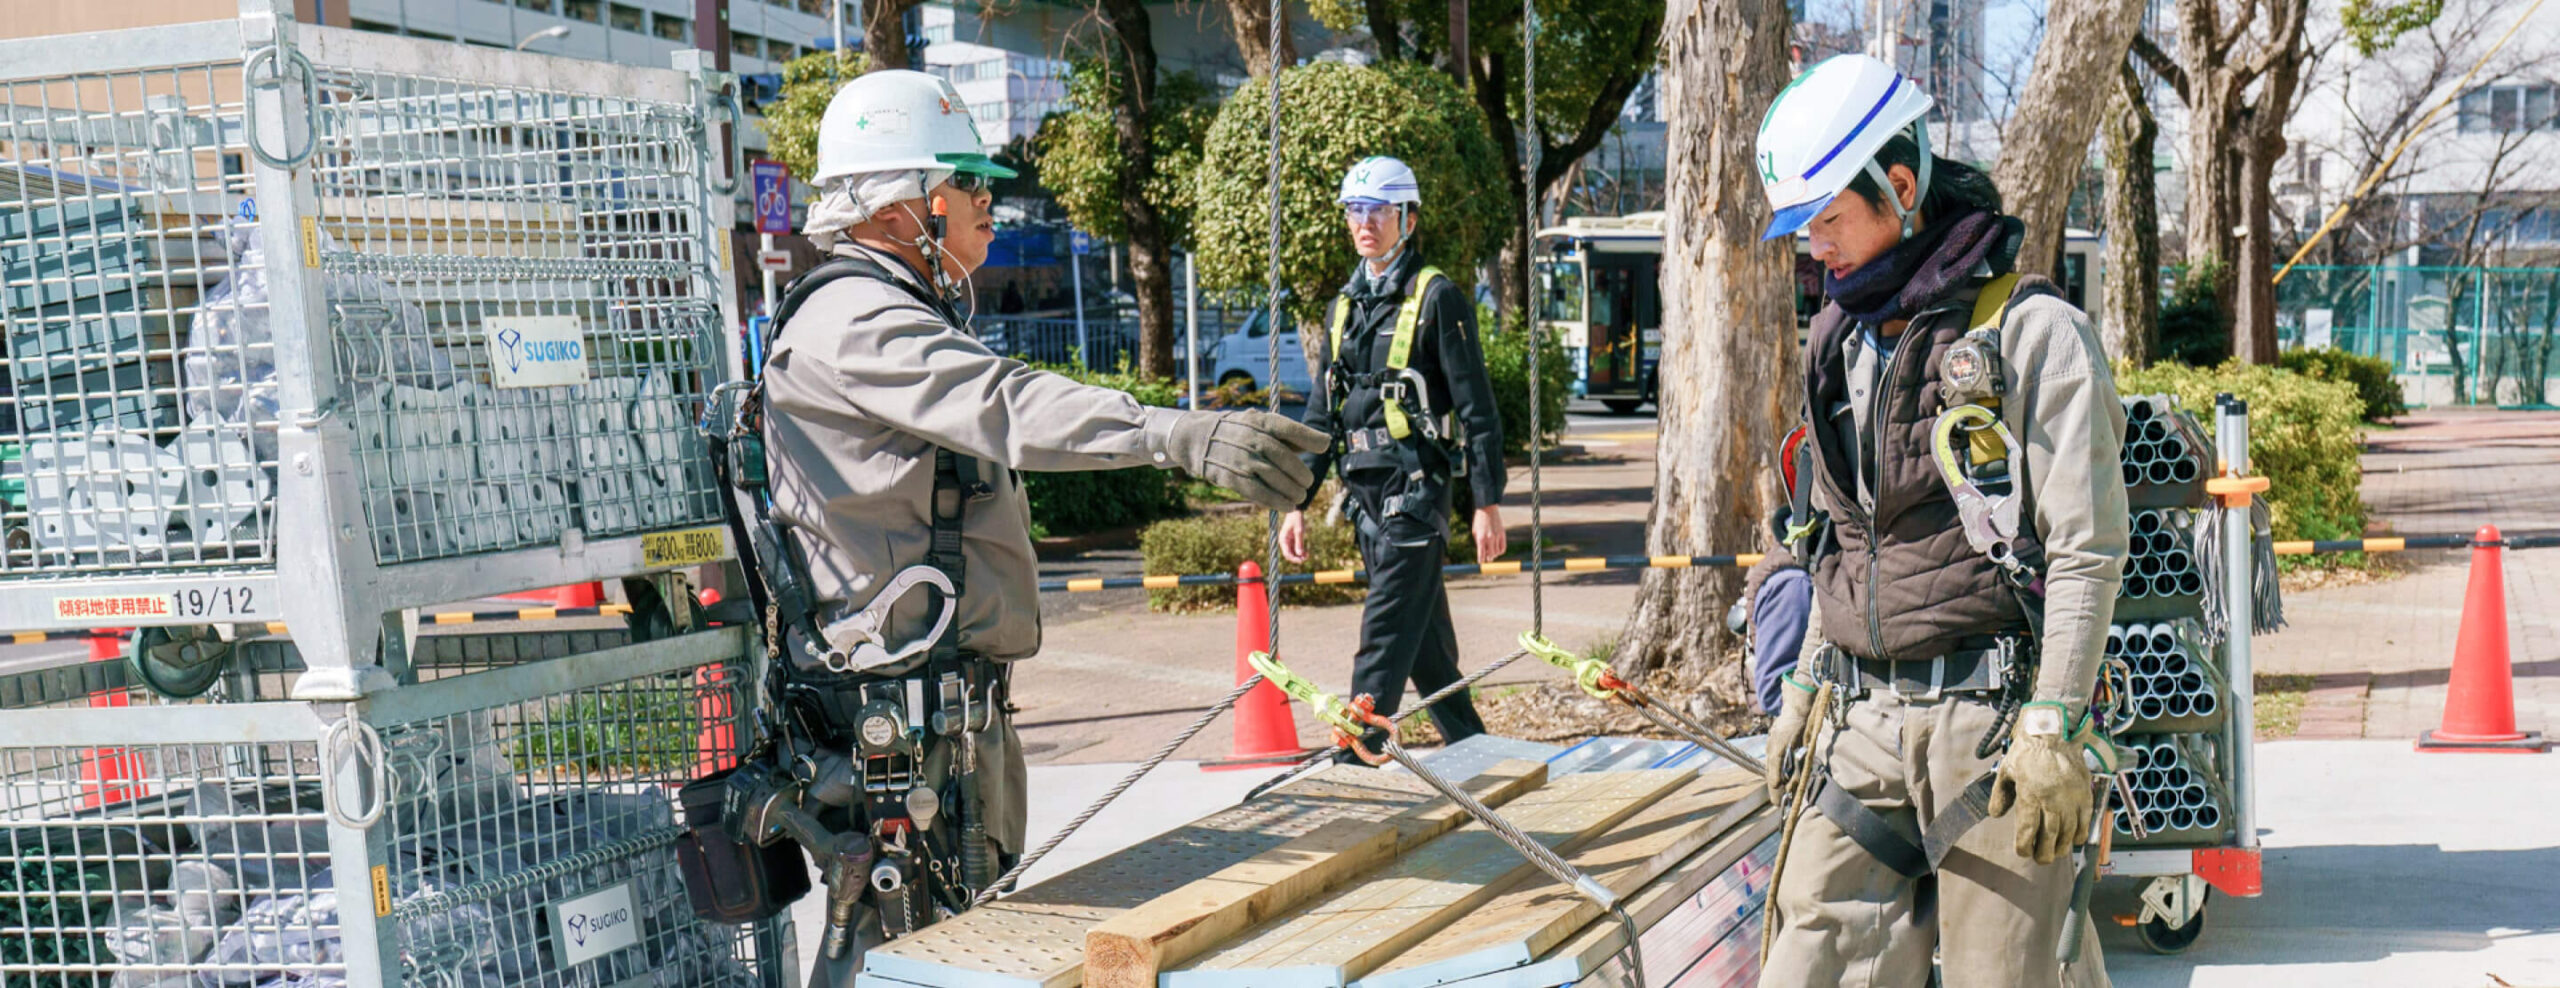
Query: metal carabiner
[872,650]
[1990,522]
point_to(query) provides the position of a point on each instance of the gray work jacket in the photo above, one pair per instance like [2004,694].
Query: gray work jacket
[859,389]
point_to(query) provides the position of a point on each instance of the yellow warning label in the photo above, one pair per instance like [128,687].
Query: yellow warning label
[690,547]
[107,608]
[728,257]
[310,242]
[382,890]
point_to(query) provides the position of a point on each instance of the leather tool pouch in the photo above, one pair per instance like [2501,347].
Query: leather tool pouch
[727,879]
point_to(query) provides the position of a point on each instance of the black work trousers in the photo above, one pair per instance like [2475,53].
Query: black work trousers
[1405,631]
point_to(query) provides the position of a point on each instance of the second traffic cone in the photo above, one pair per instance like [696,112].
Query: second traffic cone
[1266,729]
[2479,699]
[107,774]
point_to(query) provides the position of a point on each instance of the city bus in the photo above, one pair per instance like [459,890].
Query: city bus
[1600,291]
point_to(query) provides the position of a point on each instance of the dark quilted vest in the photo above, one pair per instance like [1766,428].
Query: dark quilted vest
[1904,585]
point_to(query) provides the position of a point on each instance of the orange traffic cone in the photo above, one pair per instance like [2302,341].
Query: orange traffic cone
[716,706]
[2479,701]
[107,774]
[1266,729]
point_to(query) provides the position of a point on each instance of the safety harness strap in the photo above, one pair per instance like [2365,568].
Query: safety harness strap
[1890,839]
[1399,346]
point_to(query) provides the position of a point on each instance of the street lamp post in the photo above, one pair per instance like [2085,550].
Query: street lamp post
[546,34]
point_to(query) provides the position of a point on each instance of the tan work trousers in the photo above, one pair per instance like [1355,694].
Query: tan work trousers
[1992,918]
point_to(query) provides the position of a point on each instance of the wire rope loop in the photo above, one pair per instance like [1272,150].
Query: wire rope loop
[350,737]
[268,56]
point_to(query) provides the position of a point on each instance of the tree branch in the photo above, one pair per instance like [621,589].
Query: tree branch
[2161,64]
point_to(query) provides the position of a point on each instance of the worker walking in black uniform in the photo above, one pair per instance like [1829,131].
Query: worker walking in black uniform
[1411,412]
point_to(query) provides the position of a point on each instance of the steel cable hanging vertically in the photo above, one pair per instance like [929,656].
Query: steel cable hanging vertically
[1271,590]
[1529,149]
[1210,715]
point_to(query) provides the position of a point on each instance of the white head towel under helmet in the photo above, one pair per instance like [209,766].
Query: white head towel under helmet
[1827,127]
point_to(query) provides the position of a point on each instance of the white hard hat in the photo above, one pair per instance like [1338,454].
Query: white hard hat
[1380,180]
[1827,126]
[899,119]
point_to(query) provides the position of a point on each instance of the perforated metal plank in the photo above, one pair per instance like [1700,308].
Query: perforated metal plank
[1035,938]
[1474,755]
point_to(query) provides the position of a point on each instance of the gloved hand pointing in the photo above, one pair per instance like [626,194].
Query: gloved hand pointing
[1251,453]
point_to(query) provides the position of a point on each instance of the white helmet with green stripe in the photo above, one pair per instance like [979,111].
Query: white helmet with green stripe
[1826,128]
[895,120]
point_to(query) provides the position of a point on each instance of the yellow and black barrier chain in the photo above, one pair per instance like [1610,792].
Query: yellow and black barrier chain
[1588,564]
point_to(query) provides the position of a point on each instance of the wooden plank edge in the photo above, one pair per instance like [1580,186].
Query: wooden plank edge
[1538,935]
[1129,950]
[1658,784]
[1598,943]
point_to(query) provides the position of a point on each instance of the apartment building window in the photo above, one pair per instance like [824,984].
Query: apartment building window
[813,8]
[746,44]
[670,28]
[590,11]
[2507,109]
[777,50]
[541,5]
[629,18]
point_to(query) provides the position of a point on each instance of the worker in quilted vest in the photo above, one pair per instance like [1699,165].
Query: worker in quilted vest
[1411,412]
[1965,436]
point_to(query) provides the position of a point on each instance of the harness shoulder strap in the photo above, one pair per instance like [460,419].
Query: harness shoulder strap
[1990,307]
[1341,319]
[1400,348]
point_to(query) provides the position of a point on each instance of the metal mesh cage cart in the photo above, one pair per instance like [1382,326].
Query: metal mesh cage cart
[314,326]
[306,329]
[492,824]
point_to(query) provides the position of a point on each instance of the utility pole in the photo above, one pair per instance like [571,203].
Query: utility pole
[711,30]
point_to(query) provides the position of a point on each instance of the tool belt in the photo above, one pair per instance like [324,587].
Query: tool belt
[1997,669]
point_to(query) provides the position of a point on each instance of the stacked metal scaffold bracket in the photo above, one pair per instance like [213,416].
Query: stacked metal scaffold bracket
[2199,580]
[322,327]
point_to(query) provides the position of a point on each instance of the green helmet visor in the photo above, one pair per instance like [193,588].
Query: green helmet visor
[977,164]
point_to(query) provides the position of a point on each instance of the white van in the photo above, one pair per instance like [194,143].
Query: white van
[1245,356]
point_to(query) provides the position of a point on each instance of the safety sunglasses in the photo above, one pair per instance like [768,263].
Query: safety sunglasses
[970,183]
[1362,212]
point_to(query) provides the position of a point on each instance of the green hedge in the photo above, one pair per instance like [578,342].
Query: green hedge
[2371,376]
[2303,437]
[1217,543]
[1092,500]
[1506,361]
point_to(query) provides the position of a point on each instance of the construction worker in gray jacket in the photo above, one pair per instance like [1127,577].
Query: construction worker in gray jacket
[1964,443]
[1410,410]
[897,545]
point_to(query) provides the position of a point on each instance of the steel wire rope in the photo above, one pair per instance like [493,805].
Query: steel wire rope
[1272,598]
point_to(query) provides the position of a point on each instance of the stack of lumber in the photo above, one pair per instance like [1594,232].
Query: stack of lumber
[1359,878]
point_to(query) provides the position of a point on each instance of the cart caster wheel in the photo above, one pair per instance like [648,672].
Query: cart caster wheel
[2161,938]
[178,663]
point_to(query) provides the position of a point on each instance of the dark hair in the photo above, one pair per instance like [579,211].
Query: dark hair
[1954,187]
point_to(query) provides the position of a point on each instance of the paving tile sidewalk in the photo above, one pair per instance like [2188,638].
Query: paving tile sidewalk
[2382,652]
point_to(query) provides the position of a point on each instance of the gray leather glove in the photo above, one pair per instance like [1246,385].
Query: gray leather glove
[1255,454]
[1795,705]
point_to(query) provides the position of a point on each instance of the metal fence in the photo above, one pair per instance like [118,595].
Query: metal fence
[1103,341]
[2467,335]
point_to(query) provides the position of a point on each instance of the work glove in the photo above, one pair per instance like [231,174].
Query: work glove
[1795,705]
[1255,454]
[2046,777]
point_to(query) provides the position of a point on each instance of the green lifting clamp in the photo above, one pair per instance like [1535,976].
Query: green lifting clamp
[1596,678]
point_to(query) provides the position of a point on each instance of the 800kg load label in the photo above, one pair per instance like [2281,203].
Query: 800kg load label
[690,547]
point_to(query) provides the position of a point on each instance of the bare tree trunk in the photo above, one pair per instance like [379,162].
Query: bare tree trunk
[884,34]
[2253,292]
[1730,374]
[1251,20]
[1133,47]
[2045,147]
[2130,325]
[2279,68]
